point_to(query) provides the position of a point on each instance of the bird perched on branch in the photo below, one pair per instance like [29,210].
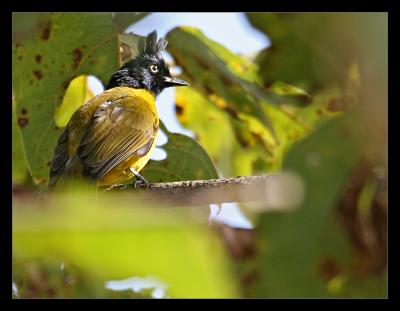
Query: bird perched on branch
[111,137]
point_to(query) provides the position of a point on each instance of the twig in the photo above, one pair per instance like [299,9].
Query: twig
[200,192]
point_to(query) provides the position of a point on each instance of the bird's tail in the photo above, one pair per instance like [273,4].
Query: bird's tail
[72,170]
[63,167]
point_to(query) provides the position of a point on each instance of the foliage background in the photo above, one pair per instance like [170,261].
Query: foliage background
[313,104]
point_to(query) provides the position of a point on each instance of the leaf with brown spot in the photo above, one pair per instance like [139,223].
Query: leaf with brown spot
[22,122]
[38,58]
[51,70]
[327,268]
[223,72]
[231,84]
[38,74]
[49,50]
[76,58]
[336,104]
[45,34]
[19,168]
[178,110]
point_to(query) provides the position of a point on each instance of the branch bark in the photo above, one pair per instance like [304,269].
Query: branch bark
[201,192]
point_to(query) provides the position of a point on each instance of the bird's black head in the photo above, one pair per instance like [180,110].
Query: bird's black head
[148,70]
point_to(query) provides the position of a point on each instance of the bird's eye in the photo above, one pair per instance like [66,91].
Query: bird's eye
[154,68]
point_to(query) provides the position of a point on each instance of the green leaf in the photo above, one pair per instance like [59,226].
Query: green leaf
[186,160]
[114,237]
[64,47]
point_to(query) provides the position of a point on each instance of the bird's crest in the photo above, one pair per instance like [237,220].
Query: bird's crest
[153,47]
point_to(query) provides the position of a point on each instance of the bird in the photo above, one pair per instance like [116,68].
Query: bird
[110,138]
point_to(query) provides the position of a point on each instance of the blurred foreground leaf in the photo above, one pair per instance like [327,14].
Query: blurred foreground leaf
[115,237]
[303,252]
[123,20]
[313,50]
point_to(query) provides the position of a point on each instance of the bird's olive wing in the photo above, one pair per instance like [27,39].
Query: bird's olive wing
[116,132]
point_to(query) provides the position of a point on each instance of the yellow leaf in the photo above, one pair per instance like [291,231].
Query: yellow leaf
[77,94]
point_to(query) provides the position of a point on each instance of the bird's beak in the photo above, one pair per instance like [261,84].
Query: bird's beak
[169,81]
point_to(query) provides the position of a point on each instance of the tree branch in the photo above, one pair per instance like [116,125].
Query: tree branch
[200,192]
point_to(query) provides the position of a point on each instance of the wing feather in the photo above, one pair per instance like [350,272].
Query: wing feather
[117,131]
